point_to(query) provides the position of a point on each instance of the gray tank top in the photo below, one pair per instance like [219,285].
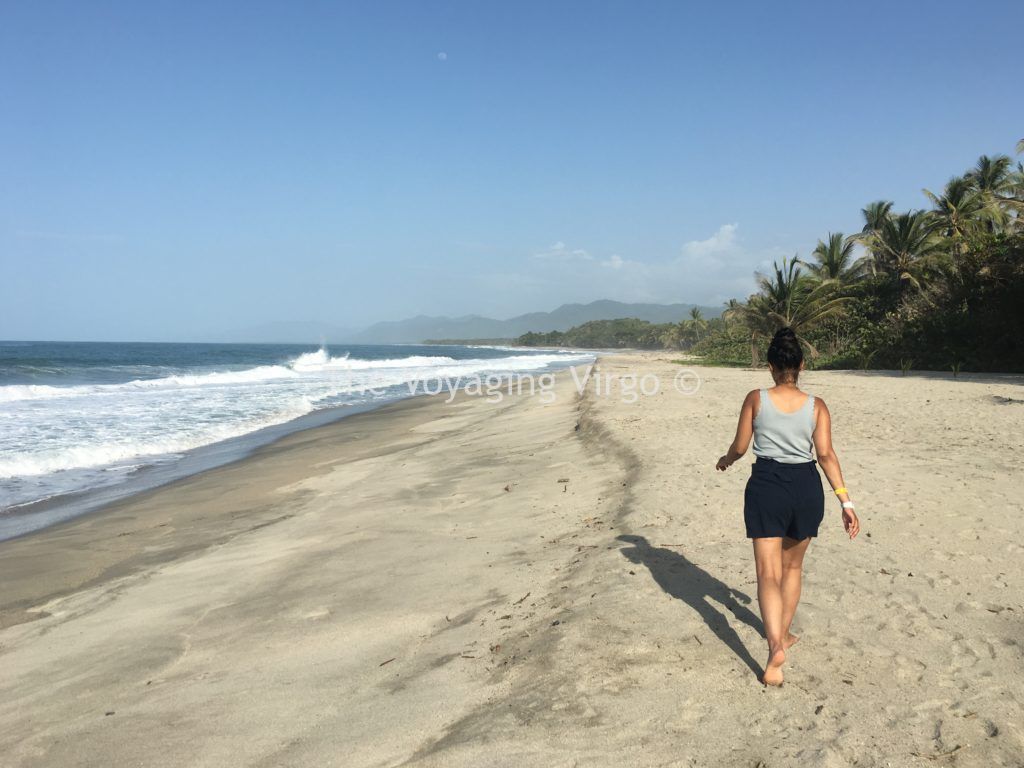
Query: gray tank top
[785,437]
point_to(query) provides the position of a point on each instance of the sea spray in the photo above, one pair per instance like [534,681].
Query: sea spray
[81,416]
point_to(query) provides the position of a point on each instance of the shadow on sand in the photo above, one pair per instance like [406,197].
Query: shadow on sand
[696,587]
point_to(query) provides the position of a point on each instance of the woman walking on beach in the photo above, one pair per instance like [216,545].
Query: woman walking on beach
[783,504]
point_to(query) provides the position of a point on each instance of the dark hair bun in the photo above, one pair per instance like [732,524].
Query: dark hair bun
[785,352]
[784,333]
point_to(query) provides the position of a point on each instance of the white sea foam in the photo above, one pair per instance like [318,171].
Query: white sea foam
[13,392]
[260,373]
[54,439]
[310,362]
[321,361]
[109,455]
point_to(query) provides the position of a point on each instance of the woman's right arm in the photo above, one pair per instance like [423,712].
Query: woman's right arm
[829,463]
[744,432]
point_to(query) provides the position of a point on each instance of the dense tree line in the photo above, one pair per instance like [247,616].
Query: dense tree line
[937,288]
[604,334]
[940,288]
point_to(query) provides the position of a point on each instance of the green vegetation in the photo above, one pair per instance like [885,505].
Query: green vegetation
[604,334]
[625,333]
[935,289]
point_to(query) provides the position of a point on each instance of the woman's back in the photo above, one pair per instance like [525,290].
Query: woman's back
[785,435]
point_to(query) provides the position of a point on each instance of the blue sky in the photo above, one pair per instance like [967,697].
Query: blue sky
[173,170]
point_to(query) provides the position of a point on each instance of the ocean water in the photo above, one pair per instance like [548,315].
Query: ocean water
[82,423]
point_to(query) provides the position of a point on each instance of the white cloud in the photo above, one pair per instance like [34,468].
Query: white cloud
[708,270]
[442,56]
[722,241]
[561,252]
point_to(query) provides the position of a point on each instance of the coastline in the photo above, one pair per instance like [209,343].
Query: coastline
[46,513]
[155,469]
[522,583]
[142,515]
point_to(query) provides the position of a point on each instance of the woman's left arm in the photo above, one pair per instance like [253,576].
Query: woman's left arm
[829,463]
[744,431]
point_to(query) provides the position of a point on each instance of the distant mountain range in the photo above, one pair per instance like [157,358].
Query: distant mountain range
[417,329]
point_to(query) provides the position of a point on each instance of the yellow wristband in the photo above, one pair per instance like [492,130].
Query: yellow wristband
[840,490]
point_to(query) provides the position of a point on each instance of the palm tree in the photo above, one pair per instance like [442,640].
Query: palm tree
[797,301]
[993,174]
[789,297]
[732,311]
[996,180]
[1017,204]
[833,260]
[960,211]
[835,263]
[672,338]
[1018,195]
[875,215]
[697,322]
[755,317]
[906,244]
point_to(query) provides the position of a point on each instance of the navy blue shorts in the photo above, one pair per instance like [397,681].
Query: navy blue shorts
[783,500]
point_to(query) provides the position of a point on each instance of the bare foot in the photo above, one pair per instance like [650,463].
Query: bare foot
[790,641]
[773,669]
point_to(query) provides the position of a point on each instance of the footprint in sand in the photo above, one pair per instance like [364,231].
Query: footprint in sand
[964,656]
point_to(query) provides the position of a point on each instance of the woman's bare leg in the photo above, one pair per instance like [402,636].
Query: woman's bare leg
[768,561]
[792,571]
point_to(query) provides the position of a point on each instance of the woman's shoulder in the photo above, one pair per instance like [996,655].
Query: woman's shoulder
[819,405]
[810,395]
[753,402]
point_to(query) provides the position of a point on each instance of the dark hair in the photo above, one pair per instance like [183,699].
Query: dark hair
[785,353]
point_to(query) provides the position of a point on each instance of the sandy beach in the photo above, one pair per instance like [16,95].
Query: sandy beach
[534,583]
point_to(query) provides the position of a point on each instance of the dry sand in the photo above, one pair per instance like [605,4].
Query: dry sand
[527,583]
